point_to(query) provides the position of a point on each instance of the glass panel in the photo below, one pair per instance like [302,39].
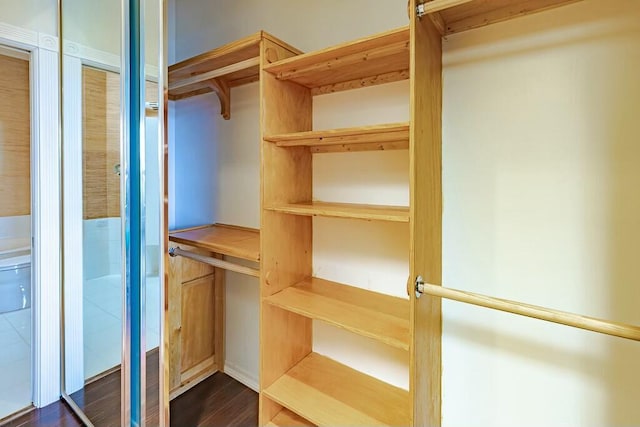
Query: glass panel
[15,231]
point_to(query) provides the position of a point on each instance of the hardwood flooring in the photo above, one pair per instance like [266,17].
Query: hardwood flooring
[218,401]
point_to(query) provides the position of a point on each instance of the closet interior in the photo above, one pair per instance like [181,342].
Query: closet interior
[297,385]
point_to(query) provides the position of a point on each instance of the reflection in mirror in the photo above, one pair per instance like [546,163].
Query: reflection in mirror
[93,296]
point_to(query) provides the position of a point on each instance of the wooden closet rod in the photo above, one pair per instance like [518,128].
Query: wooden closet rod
[225,265]
[562,317]
[239,66]
[438,5]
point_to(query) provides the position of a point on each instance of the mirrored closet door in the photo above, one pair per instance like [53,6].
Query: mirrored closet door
[98,341]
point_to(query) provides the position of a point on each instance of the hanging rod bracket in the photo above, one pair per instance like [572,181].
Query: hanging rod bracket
[419,286]
[420,10]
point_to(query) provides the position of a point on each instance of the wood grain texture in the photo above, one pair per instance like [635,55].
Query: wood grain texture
[372,137]
[425,177]
[370,314]
[198,321]
[239,242]
[479,13]
[344,210]
[286,418]
[382,54]
[15,137]
[328,393]
[285,338]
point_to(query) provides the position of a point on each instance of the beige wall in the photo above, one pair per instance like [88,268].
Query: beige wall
[34,15]
[540,147]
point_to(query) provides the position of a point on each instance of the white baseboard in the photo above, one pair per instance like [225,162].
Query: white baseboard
[242,376]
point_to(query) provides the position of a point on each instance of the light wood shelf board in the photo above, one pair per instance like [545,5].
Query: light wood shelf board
[286,418]
[234,64]
[345,210]
[328,393]
[239,242]
[378,137]
[370,314]
[479,13]
[364,60]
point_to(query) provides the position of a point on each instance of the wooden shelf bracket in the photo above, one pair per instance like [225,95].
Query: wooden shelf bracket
[224,95]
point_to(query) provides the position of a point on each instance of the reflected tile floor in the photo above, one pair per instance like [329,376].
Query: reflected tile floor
[102,319]
[15,357]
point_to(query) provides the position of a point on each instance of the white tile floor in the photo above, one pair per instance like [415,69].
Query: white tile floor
[102,313]
[15,361]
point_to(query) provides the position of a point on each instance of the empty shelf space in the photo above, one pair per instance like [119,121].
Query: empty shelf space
[286,418]
[228,240]
[345,210]
[365,138]
[454,16]
[378,59]
[370,314]
[328,393]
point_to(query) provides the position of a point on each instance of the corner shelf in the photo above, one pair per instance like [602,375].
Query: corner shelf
[345,210]
[382,58]
[239,242]
[328,393]
[364,138]
[370,314]
[219,70]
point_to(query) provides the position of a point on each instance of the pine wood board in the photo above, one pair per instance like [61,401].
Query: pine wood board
[221,58]
[328,393]
[239,242]
[345,210]
[286,418]
[381,54]
[370,314]
[374,137]
[479,13]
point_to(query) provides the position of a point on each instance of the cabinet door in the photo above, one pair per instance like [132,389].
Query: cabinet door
[198,326]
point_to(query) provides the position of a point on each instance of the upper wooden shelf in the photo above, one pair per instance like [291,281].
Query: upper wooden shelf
[370,314]
[455,16]
[328,393]
[345,210]
[365,138]
[228,240]
[221,69]
[381,58]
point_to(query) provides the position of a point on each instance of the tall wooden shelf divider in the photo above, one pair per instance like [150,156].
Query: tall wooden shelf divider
[295,381]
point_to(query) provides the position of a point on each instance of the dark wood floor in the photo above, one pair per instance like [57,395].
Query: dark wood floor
[218,401]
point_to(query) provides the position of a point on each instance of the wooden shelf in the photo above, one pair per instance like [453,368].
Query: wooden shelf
[286,418]
[345,210]
[328,393]
[455,16]
[228,240]
[371,314]
[365,138]
[221,69]
[378,59]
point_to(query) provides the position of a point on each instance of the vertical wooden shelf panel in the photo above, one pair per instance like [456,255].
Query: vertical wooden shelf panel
[285,337]
[425,177]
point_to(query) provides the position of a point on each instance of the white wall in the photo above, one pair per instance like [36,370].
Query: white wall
[34,15]
[539,154]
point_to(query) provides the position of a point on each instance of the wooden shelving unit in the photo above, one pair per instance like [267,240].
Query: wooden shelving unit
[370,314]
[345,210]
[366,138]
[331,394]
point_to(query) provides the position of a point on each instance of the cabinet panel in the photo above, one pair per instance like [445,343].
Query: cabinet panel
[198,322]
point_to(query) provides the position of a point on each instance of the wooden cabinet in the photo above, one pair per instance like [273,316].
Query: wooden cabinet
[196,321]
